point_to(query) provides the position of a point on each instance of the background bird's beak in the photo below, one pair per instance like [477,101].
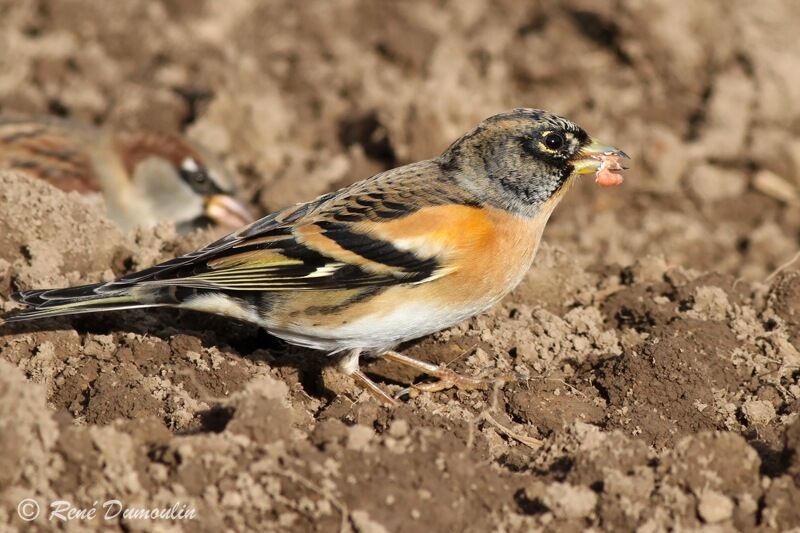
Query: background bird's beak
[589,158]
[227,211]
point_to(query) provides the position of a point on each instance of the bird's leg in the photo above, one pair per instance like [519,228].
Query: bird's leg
[373,388]
[447,378]
[349,365]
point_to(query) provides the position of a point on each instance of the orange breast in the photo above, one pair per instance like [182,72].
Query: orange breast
[488,250]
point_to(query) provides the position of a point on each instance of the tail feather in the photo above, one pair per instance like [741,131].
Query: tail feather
[51,297]
[74,300]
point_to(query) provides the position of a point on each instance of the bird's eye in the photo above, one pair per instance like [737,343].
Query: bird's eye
[197,177]
[553,141]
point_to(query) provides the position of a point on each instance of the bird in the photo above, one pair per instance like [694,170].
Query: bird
[397,256]
[145,177]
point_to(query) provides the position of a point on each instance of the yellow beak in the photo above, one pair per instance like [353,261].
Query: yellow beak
[227,211]
[588,159]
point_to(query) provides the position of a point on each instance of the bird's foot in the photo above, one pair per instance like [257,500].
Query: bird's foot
[446,377]
[374,389]
[349,366]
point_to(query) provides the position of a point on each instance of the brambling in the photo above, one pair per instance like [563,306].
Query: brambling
[145,177]
[400,255]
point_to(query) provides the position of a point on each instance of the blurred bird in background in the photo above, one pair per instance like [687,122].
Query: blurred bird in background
[145,177]
[400,255]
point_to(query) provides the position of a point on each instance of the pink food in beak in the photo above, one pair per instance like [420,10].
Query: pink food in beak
[607,175]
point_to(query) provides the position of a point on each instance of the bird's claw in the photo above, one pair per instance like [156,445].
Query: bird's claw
[448,379]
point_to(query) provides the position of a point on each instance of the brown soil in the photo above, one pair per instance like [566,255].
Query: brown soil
[658,361]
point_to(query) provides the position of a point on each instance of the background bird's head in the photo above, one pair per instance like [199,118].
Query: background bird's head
[524,160]
[180,181]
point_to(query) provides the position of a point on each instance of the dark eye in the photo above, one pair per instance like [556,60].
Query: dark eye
[197,177]
[554,141]
[200,182]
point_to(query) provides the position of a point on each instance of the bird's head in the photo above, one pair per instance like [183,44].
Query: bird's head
[180,181]
[525,159]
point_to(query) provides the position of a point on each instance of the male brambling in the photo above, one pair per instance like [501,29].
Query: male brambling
[397,256]
[145,177]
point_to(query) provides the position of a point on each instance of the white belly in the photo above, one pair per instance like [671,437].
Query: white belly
[404,322]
